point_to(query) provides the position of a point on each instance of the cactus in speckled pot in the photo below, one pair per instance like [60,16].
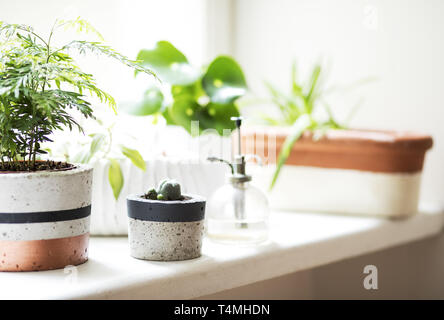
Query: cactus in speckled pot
[168,189]
[165,224]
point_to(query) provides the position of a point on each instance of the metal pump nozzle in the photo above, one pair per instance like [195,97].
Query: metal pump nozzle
[238,176]
[237,166]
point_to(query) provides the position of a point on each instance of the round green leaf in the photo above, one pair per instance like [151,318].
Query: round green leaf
[151,103]
[166,115]
[193,90]
[168,63]
[218,116]
[183,111]
[224,80]
[213,116]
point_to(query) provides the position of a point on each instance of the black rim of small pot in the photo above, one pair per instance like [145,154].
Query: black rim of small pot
[188,210]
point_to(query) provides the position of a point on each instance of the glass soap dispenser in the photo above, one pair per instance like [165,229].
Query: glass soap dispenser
[237,212]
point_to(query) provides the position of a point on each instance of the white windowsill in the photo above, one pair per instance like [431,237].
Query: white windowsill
[298,242]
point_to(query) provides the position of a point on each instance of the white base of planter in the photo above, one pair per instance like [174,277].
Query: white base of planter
[393,195]
[165,241]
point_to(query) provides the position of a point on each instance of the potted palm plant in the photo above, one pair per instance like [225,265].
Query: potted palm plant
[318,164]
[44,205]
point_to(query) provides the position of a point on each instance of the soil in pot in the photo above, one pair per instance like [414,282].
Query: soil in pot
[22,166]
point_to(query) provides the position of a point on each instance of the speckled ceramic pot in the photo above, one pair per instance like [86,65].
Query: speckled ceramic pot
[44,219]
[166,230]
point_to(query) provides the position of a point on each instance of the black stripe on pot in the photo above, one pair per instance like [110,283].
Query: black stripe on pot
[47,216]
[189,210]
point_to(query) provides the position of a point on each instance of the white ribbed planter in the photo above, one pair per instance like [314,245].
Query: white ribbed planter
[109,217]
[44,219]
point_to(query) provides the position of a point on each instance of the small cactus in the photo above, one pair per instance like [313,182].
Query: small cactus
[160,197]
[151,194]
[168,189]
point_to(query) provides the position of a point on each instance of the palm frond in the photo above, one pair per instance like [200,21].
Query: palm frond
[80,25]
[96,47]
[40,86]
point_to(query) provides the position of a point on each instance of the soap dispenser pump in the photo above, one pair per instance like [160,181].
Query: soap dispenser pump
[237,212]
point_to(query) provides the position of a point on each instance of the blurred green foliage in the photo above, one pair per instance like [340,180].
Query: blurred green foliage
[207,94]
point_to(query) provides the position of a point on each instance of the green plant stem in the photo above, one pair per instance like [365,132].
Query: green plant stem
[34,153]
[302,123]
[36,35]
[30,149]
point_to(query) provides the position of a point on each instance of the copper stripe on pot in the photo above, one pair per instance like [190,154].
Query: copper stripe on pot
[45,216]
[38,255]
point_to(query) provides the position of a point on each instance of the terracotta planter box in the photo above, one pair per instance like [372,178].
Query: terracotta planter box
[44,219]
[344,171]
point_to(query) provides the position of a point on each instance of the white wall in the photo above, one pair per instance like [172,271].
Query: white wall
[127,26]
[397,41]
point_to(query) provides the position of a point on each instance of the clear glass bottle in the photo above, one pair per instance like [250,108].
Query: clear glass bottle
[237,212]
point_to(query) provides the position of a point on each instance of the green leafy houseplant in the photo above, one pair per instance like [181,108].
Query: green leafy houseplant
[207,95]
[39,87]
[299,110]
